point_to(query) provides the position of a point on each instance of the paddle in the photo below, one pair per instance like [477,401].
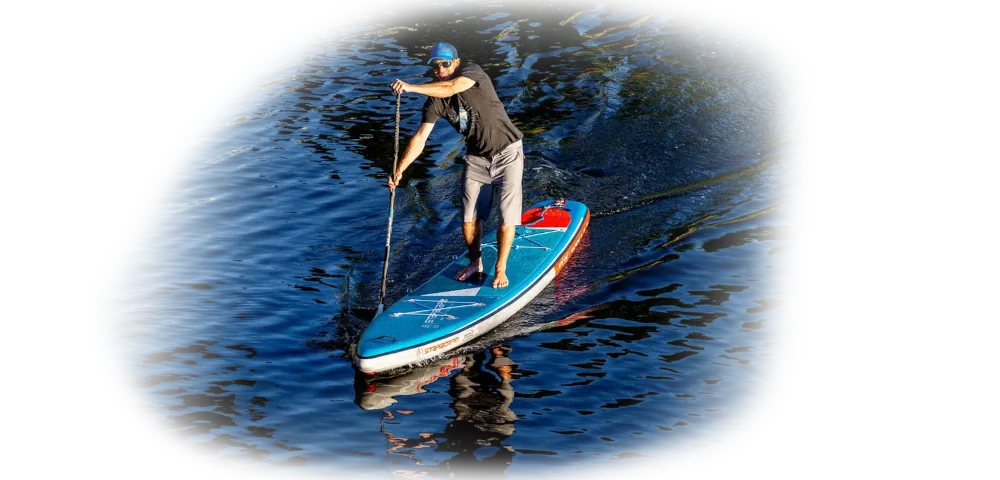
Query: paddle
[392,200]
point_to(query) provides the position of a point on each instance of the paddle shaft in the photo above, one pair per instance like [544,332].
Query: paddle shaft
[392,201]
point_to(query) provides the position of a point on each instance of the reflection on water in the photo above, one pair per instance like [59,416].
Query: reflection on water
[375,393]
[482,393]
[483,398]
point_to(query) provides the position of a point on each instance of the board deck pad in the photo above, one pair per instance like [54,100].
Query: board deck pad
[445,313]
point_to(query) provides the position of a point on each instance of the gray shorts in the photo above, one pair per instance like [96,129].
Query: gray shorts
[501,175]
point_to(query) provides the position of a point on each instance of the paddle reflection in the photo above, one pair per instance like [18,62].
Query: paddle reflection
[482,393]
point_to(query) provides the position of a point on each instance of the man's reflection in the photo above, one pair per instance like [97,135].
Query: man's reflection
[483,417]
[482,393]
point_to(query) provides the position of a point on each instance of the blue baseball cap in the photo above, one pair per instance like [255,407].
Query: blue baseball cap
[443,51]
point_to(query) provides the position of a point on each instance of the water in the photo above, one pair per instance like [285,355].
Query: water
[241,312]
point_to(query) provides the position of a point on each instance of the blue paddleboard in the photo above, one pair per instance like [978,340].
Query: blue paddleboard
[445,313]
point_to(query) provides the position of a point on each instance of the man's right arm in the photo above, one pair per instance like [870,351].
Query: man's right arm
[413,150]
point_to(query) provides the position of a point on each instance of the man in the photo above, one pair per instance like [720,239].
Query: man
[463,94]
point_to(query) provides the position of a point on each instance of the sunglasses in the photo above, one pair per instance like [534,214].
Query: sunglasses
[440,65]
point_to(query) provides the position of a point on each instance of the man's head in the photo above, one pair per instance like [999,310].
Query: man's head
[444,60]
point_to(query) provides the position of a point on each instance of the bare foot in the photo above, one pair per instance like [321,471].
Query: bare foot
[500,280]
[467,272]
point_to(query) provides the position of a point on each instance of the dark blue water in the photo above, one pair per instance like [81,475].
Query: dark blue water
[241,311]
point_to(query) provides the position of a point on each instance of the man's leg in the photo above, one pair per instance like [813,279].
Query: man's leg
[508,171]
[505,238]
[472,232]
[477,197]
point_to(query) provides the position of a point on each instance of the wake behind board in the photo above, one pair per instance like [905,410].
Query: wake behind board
[445,313]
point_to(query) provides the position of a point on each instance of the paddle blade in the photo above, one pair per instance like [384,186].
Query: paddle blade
[379,311]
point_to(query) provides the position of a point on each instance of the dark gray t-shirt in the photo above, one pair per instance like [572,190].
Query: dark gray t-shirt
[489,129]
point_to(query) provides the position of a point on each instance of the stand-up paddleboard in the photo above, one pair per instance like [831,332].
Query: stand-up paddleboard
[445,313]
